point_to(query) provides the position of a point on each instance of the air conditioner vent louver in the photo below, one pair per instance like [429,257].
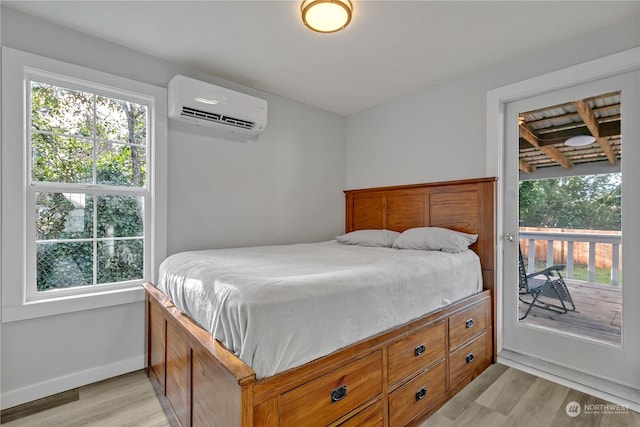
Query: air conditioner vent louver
[218,118]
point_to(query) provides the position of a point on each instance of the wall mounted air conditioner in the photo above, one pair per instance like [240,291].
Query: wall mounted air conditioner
[213,106]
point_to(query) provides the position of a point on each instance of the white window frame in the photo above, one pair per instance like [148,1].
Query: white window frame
[31,292]
[20,298]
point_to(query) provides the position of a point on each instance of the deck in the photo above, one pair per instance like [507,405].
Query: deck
[598,312]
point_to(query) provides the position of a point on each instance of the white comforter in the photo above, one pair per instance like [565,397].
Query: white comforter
[278,307]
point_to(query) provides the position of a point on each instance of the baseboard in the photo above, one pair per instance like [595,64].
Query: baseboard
[39,405]
[589,384]
[53,386]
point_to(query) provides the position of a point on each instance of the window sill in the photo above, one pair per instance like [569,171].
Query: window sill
[71,304]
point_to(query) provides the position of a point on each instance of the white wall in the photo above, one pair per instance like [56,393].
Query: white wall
[439,134]
[284,187]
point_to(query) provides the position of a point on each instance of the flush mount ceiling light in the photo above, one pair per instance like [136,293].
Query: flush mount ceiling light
[579,141]
[326,16]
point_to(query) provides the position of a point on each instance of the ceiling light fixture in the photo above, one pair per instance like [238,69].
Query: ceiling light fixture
[326,16]
[579,141]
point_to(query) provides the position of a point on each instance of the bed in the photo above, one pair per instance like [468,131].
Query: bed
[389,374]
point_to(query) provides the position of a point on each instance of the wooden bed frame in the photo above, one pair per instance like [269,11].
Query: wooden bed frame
[398,377]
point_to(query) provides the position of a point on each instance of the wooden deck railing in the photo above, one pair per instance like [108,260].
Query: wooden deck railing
[570,238]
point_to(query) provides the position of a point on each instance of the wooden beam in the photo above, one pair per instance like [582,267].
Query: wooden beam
[589,119]
[526,167]
[552,136]
[549,150]
[569,117]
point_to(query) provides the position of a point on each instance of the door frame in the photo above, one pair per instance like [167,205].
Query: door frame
[618,63]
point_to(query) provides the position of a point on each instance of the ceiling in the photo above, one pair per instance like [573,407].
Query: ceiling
[543,133]
[390,49]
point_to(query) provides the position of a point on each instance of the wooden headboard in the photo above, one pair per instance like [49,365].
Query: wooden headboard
[467,205]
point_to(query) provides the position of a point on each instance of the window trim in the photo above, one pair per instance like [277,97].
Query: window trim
[18,68]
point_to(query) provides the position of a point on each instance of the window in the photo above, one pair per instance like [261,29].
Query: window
[84,187]
[87,187]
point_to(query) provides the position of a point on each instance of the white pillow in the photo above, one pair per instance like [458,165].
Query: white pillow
[435,239]
[371,238]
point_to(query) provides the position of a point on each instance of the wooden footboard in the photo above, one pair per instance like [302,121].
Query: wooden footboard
[203,383]
[395,378]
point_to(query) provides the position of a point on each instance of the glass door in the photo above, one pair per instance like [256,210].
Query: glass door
[576,322]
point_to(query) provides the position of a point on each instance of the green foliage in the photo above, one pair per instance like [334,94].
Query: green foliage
[115,165]
[52,211]
[60,110]
[68,264]
[581,272]
[58,159]
[69,147]
[119,216]
[577,202]
[120,260]
[64,265]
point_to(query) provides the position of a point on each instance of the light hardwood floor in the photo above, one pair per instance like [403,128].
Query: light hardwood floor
[501,396]
[127,400]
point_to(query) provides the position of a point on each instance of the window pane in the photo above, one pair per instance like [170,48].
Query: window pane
[120,260]
[60,159]
[64,265]
[60,110]
[121,121]
[83,235]
[119,164]
[64,216]
[120,216]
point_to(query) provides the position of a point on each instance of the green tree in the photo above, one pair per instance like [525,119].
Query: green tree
[582,202]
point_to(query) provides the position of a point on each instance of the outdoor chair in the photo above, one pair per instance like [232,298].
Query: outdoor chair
[548,283]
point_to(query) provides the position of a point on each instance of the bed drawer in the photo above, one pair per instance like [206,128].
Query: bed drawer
[417,395]
[467,324]
[333,395]
[368,417]
[416,351]
[464,361]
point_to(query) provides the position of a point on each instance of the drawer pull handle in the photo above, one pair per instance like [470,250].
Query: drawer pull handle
[469,323]
[339,394]
[420,350]
[420,394]
[470,357]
